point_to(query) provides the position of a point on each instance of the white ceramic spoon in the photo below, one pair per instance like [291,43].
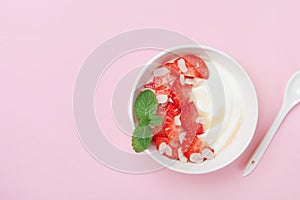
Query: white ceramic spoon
[291,98]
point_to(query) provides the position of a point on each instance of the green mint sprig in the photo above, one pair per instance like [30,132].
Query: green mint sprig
[145,108]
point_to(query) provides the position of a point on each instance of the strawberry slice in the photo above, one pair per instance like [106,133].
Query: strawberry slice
[188,122]
[150,85]
[159,89]
[160,133]
[188,117]
[162,90]
[191,70]
[172,110]
[174,68]
[171,129]
[159,140]
[196,67]
[167,128]
[181,93]
[174,99]
[188,140]
[195,147]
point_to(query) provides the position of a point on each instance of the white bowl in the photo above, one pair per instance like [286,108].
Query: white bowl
[241,109]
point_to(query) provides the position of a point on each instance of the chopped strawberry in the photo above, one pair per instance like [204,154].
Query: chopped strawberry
[156,129]
[174,99]
[195,147]
[171,129]
[191,70]
[182,92]
[167,112]
[175,145]
[158,89]
[174,69]
[159,133]
[200,129]
[159,140]
[196,66]
[160,137]
[162,90]
[150,85]
[160,80]
[172,110]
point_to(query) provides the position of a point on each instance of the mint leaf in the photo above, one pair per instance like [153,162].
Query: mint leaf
[145,104]
[155,120]
[141,138]
[153,109]
[145,121]
[145,107]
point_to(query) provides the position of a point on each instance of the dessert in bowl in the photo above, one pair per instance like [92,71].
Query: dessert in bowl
[204,114]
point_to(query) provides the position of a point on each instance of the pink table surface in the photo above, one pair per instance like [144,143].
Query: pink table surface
[42,47]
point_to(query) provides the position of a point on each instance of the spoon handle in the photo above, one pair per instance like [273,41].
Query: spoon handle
[260,150]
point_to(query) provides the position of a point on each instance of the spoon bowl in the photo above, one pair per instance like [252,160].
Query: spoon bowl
[292,91]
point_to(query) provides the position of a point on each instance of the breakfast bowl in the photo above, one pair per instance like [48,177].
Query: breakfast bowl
[223,96]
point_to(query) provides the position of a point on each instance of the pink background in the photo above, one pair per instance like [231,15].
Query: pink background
[42,46]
